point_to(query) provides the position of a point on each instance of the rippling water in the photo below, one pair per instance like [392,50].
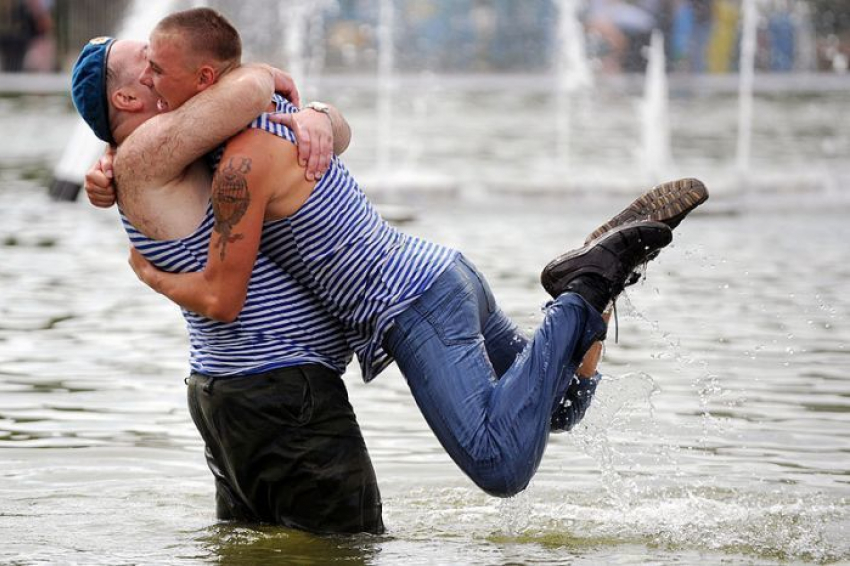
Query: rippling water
[719,435]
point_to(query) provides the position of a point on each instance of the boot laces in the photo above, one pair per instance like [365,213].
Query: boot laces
[616,322]
[634,277]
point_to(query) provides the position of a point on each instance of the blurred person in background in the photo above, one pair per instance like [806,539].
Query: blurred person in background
[618,31]
[27,42]
[781,36]
[41,51]
[690,33]
[722,45]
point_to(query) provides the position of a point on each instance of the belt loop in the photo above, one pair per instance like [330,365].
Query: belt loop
[208,386]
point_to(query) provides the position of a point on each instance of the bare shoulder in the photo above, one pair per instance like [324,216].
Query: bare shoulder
[268,164]
[262,144]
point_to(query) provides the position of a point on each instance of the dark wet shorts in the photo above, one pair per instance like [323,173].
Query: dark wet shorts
[285,448]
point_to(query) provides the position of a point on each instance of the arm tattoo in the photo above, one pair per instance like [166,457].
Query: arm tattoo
[230,200]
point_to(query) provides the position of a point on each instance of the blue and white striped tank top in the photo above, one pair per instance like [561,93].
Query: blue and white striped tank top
[282,323]
[363,270]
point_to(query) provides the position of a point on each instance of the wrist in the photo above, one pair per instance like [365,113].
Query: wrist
[320,107]
[151,278]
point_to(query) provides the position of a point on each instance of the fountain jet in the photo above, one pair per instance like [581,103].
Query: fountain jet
[656,155]
[745,87]
[573,74]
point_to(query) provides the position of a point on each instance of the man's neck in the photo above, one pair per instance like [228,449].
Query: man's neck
[122,130]
[125,124]
[225,68]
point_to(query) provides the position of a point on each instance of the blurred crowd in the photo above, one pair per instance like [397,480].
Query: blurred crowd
[701,36]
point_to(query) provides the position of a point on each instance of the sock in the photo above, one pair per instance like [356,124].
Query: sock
[592,288]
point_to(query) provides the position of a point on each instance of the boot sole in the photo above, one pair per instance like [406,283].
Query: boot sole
[668,203]
[652,234]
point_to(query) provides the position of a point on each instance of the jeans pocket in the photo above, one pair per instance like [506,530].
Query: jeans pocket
[455,318]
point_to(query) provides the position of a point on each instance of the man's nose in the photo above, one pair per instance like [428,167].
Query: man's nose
[146,78]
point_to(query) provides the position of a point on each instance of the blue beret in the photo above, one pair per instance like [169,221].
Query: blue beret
[88,86]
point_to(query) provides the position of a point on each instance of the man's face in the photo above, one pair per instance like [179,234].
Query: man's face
[170,71]
[130,58]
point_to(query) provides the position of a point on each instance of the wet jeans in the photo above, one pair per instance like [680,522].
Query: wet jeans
[285,448]
[486,391]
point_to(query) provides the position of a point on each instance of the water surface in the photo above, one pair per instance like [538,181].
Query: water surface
[719,434]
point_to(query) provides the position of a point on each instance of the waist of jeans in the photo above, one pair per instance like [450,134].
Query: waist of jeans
[313,370]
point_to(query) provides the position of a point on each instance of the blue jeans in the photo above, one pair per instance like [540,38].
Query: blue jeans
[486,391]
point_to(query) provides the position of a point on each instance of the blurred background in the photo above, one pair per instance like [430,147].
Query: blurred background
[611,92]
[462,36]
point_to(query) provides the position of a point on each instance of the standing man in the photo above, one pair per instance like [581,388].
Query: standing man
[266,393]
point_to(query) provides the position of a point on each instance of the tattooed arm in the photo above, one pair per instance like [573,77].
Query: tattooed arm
[159,150]
[259,178]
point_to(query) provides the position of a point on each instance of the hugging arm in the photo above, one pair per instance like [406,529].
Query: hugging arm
[159,150]
[319,135]
[249,175]
[98,183]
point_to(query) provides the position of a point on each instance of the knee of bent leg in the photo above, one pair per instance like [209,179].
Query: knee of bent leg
[504,479]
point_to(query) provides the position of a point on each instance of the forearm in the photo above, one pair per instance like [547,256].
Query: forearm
[194,292]
[161,148]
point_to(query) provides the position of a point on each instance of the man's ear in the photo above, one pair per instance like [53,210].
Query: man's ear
[124,100]
[207,75]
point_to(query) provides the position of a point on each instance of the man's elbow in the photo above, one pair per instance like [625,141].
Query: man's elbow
[223,311]
[257,93]
[341,145]
[342,137]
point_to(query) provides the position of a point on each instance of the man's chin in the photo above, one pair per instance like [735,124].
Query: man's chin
[162,106]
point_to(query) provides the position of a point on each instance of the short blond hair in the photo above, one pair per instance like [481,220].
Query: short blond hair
[206,32]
